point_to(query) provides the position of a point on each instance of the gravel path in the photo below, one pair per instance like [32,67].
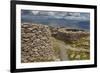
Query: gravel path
[63,53]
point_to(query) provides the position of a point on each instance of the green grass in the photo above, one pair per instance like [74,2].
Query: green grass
[83,43]
[80,43]
[74,55]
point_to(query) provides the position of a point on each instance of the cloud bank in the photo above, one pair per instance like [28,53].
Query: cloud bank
[59,15]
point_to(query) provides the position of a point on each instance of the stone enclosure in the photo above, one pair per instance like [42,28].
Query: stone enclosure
[35,43]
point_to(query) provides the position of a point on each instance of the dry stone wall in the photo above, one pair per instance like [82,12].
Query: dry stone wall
[63,34]
[36,45]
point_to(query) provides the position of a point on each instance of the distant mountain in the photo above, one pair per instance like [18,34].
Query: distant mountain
[84,24]
[56,22]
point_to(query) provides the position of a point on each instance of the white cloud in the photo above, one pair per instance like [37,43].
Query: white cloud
[35,12]
[81,18]
[73,14]
[51,13]
[65,15]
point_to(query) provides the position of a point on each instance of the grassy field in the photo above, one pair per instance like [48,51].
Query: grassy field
[75,50]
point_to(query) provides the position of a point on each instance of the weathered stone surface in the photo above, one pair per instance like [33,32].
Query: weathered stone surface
[68,34]
[35,43]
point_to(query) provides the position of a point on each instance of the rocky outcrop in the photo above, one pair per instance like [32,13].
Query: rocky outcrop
[36,45]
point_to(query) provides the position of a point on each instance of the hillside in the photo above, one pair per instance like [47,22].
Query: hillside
[42,43]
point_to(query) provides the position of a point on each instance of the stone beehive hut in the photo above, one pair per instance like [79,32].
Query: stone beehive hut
[36,45]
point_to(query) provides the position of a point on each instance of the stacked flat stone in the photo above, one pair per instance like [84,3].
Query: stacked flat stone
[36,45]
[62,34]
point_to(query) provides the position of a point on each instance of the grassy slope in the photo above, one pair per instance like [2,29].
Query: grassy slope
[72,54]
